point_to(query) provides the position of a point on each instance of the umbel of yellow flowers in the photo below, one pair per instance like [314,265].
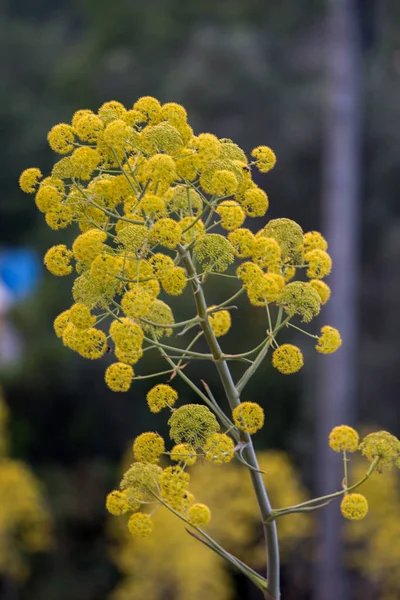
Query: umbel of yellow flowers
[161,211]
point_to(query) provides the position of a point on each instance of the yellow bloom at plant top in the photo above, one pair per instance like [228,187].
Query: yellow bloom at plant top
[343,438]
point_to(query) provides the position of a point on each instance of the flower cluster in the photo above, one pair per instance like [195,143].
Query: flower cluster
[141,186]
[161,210]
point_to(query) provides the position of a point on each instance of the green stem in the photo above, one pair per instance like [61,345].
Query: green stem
[232,394]
[259,581]
[345,469]
[215,408]
[190,353]
[262,354]
[295,508]
[303,331]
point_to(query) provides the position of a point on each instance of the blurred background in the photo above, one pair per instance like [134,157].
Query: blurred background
[319,82]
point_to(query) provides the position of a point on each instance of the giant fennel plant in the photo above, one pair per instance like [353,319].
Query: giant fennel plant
[161,210]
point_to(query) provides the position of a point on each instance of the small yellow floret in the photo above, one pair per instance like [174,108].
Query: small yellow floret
[61,138]
[117,503]
[219,448]
[136,302]
[343,438]
[329,340]
[174,281]
[223,183]
[119,377]
[199,515]
[313,240]
[161,396]
[84,161]
[88,245]
[266,252]
[174,482]
[140,525]
[231,213]
[265,158]
[127,335]
[29,179]
[80,316]
[322,289]
[220,322]
[184,453]
[148,106]
[381,445]
[255,202]
[354,507]
[192,424]
[88,127]
[287,359]
[248,416]
[48,198]
[319,264]
[148,447]
[166,232]
[110,111]
[60,323]
[58,260]
[242,241]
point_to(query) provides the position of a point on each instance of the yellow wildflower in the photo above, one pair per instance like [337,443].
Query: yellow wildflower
[192,424]
[343,438]
[354,507]
[265,158]
[119,377]
[287,359]
[199,515]
[58,260]
[140,525]
[184,453]
[248,416]
[148,447]
[220,321]
[219,448]
[329,340]
[161,396]
[29,179]
[61,138]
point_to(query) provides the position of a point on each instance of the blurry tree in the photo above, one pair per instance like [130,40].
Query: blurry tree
[25,521]
[337,381]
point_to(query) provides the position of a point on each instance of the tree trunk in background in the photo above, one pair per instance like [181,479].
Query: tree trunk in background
[337,374]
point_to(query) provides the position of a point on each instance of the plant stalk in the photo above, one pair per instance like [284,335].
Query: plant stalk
[249,454]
